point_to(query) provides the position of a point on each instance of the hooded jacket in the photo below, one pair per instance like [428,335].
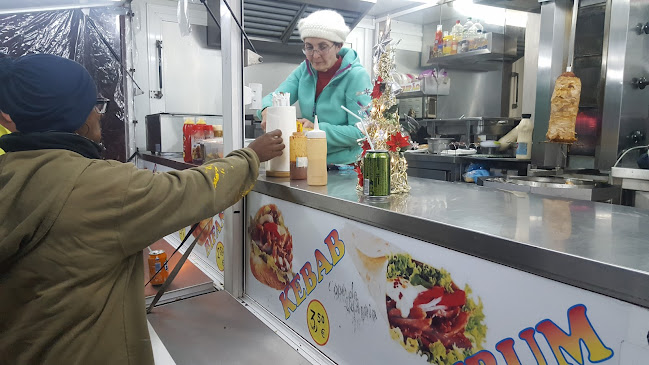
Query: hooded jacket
[343,89]
[72,231]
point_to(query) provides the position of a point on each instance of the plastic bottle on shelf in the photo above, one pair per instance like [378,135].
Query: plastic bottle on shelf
[468,24]
[188,131]
[316,151]
[448,39]
[463,45]
[524,140]
[478,25]
[456,33]
[439,36]
[472,36]
[214,149]
[218,131]
[439,42]
[484,41]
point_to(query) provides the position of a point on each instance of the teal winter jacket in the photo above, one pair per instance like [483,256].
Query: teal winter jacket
[343,89]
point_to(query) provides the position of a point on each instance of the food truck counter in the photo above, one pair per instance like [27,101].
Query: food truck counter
[452,274]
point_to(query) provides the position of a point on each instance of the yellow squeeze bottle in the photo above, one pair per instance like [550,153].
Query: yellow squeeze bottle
[316,152]
[298,159]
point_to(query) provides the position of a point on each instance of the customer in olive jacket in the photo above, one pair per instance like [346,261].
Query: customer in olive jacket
[73,226]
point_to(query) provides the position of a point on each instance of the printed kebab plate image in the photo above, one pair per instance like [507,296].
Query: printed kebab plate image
[271,248]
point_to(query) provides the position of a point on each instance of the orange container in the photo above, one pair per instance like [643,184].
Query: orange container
[156,259]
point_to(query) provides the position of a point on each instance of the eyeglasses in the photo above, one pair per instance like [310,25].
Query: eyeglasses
[322,49]
[102,104]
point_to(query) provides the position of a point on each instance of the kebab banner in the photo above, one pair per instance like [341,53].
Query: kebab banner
[210,238]
[365,295]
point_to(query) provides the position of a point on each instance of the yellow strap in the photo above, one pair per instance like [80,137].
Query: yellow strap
[3,131]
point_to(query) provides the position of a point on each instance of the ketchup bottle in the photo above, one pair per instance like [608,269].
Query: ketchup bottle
[208,132]
[188,131]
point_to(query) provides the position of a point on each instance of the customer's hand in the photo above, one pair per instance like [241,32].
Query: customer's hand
[268,146]
[306,124]
[263,119]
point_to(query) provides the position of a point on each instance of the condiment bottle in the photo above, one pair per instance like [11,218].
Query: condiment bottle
[218,131]
[525,129]
[218,137]
[197,138]
[439,41]
[316,151]
[188,131]
[208,132]
[456,32]
[446,48]
[298,154]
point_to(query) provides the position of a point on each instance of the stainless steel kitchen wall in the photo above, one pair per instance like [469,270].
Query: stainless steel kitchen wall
[94,40]
[476,94]
[625,121]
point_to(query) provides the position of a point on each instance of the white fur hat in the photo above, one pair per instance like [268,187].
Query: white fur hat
[326,24]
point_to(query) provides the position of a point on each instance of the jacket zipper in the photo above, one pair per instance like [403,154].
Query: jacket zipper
[345,69]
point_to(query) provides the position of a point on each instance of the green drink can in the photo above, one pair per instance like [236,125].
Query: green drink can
[376,173]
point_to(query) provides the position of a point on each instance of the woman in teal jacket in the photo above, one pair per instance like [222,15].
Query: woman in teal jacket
[330,77]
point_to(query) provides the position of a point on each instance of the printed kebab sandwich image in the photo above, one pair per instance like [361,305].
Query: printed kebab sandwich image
[427,313]
[271,248]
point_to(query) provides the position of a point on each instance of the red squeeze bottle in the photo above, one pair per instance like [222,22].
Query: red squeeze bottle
[209,131]
[188,131]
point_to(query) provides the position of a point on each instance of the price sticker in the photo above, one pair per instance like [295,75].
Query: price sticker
[220,256]
[318,322]
[182,234]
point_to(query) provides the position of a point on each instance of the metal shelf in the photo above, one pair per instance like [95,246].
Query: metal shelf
[500,48]
[412,94]
[479,60]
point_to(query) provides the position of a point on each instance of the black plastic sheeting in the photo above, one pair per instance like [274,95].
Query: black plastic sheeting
[71,34]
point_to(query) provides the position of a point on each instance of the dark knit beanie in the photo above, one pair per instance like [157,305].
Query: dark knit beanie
[43,93]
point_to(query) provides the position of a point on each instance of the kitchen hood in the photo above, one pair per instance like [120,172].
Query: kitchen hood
[272,25]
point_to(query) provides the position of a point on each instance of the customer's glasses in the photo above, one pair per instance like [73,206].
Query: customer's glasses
[308,50]
[102,104]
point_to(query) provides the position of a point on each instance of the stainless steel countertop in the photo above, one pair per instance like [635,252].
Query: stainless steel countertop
[599,247]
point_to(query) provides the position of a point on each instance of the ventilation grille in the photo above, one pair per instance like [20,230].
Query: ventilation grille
[275,21]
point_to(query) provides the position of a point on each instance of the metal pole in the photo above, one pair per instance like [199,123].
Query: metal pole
[553,50]
[232,55]
[573,29]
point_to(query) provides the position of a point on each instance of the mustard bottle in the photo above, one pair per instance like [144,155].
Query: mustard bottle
[316,151]
[298,154]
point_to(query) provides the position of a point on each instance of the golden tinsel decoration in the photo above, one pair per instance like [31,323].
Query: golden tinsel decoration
[383,123]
